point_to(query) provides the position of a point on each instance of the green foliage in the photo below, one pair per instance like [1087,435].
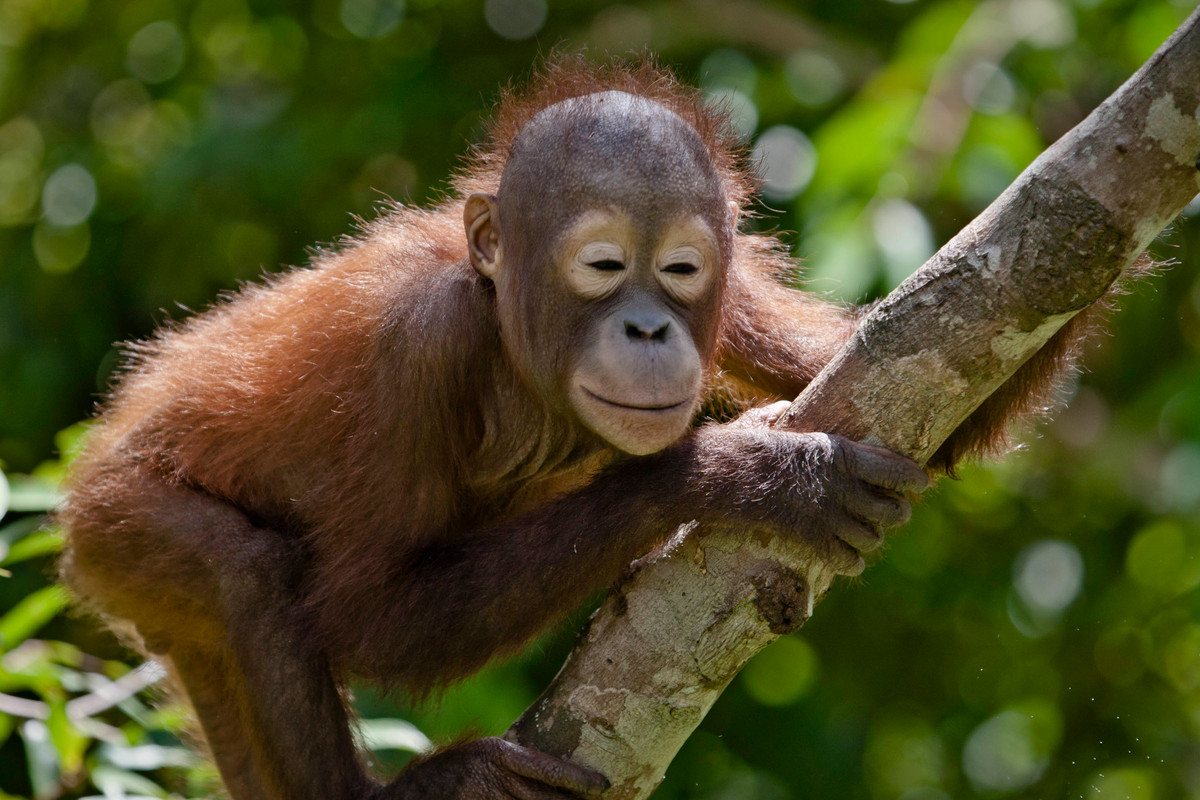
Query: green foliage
[66,724]
[1034,633]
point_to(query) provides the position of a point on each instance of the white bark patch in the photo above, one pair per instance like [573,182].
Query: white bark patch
[995,263]
[1176,132]
[929,369]
[1015,344]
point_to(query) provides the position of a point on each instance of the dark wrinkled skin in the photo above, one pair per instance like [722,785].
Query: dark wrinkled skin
[491,769]
[850,490]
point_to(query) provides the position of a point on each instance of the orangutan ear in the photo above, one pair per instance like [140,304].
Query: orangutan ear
[481,220]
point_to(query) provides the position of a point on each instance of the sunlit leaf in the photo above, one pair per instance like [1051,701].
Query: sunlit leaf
[69,441]
[30,614]
[145,757]
[393,734]
[1148,27]
[934,30]
[29,493]
[69,742]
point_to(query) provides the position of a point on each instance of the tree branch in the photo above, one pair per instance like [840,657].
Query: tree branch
[666,643]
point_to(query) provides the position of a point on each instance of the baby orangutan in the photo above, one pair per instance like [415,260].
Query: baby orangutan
[428,446]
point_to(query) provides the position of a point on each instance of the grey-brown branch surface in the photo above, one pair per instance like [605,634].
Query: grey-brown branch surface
[666,643]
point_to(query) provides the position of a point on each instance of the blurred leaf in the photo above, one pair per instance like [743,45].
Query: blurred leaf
[1148,27]
[19,529]
[934,30]
[1012,135]
[8,724]
[144,757]
[38,544]
[121,783]
[41,759]
[30,614]
[15,531]
[859,144]
[69,742]
[29,493]
[393,734]
[69,441]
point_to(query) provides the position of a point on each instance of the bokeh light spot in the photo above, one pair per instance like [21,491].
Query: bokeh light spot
[1010,751]
[21,149]
[155,53]
[1048,575]
[69,196]
[1181,659]
[1042,23]
[371,19]
[118,112]
[1163,559]
[515,19]
[989,89]
[903,753]
[60,250]
[813,78]
[1179,478]
[743,113]
[904,236]
[1113,783]
[782,673]
[788,161]
[729,69]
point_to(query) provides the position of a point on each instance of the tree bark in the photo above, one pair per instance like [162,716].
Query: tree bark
[666,642]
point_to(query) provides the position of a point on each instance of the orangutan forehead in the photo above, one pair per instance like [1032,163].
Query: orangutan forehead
[610,112]
[614,143]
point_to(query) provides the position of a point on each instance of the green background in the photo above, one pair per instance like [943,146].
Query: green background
[1035,632]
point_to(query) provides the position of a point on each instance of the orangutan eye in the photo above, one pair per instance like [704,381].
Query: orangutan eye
[607,265]
[681,268]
